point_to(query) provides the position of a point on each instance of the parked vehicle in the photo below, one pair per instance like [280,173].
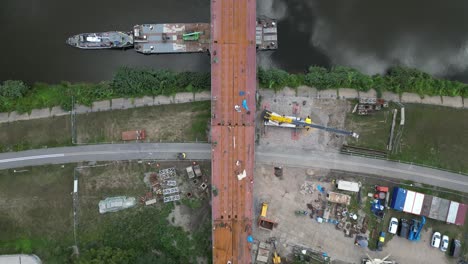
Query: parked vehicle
[444,243]
[393,226]
[404,228]
[435,241]
[455,249]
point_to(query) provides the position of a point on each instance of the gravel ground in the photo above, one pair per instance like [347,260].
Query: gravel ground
[329,112]
[284,196]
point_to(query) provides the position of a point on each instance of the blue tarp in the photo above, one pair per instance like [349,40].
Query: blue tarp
[398,198]
[244,104]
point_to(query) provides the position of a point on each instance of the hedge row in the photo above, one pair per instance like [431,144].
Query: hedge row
[397,80]
[127,82]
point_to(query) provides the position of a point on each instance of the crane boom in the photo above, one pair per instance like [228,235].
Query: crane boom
[274,119]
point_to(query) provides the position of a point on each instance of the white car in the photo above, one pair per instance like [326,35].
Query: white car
[445,243]
[393,226]
[435,242]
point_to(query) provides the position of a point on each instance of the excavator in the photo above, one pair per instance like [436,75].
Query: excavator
[274,119]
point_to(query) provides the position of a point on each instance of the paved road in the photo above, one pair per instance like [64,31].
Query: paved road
[265,155]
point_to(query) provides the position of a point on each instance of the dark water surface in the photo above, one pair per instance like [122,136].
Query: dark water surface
[372,35]
[33,35]
[367,34]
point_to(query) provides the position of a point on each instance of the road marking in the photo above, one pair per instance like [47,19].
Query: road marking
[32,158]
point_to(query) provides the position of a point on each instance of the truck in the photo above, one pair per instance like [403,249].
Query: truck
[133,135]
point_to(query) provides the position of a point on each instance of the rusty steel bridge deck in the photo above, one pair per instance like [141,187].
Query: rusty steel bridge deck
[233,75]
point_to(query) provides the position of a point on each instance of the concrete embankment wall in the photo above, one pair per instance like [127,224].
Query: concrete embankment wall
[346,93]
[124,103]
[107,105]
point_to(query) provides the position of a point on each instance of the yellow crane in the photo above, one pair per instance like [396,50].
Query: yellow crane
[274,119]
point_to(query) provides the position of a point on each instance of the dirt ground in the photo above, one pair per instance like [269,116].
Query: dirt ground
[176,122]
[284,197]
[328,112]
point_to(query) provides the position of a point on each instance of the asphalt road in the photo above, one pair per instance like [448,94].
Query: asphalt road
[266,155]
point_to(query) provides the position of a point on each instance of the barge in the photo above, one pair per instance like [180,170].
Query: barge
[170,38]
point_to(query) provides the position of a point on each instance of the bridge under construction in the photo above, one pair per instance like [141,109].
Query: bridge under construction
[233,87]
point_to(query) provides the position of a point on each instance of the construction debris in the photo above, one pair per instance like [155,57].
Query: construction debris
[307,188]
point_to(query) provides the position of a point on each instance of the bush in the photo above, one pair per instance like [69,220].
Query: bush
[397,80]
[127,82]
[13,89]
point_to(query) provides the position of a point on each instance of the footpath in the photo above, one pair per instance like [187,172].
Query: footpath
[127,103]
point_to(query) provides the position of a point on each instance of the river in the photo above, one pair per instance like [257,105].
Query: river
[366,34]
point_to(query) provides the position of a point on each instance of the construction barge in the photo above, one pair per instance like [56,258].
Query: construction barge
[170,38]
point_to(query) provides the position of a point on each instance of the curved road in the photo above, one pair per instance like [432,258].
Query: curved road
[265,155]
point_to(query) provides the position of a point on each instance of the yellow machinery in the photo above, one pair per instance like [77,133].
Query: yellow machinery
[274,119]
[264,210]
[276,258]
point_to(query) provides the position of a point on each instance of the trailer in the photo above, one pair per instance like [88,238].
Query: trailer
[134,135]
[348,186]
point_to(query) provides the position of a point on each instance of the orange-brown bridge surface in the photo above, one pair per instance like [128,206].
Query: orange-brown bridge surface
[233,79]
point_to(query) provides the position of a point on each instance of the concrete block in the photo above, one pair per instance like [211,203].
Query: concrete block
[433,100]
[266,92]
[101,106]
[39,113]
[161,99]
[14,116]
[287,92]
[369,94]
[306,91]
[203,96]
[82,109]
[347,93]
[58,111]
[4,117]
[144,101]
[453,101]
[117,103]
[183,98]
[410,98]
[127,103]
[389,96]
[327,94]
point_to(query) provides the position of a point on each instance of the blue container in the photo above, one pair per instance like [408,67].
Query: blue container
[398,198]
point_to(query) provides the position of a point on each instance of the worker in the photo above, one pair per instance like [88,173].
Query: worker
[308,120]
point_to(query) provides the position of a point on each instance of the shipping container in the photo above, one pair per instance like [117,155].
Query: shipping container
[462,208]
[439,209]
[409,202]
[348,186]
[426,208]
[398,198]
[452,212]
[418,203]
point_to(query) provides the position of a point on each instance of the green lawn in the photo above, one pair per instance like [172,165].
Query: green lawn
[175,122]
[37,215]
[432,135]
[36,133]
[37,218]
